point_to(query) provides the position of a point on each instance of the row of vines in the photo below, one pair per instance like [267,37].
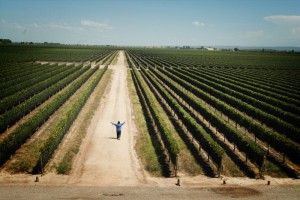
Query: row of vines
[31,93]
[230,110]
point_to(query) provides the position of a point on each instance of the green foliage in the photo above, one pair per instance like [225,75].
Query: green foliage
[12,115]
[62,126]
[5,41]
[264,114]
[166,135]
[16,84]
[206,142]
[63,167]
[262,86]
[277,141]
[14,140]
[16,98]
[29,53]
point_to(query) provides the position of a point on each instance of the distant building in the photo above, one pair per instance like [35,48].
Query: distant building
[210,49]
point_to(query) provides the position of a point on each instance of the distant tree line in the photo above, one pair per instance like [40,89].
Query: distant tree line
[5,41]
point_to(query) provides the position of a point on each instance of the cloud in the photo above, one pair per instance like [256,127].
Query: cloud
[98,26]
[198,24]
[283,19]
[62,26]
[51,25]
[84,25]
[254,34]
[296,32]
[59,26]
[289,23]
[81,27]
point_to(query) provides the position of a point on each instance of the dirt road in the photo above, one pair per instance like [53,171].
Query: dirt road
[104,160]
[129,193]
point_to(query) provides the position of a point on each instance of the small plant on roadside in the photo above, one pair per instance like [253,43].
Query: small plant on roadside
[64,167]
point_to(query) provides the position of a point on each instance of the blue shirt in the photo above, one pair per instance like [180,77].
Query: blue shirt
[119,126]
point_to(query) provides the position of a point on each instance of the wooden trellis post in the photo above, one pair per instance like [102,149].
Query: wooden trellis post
[176,165]
[220,168]
[41,162]
[262,168]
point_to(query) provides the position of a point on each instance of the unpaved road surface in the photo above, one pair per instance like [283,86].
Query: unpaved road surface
[104,160]
[145,193]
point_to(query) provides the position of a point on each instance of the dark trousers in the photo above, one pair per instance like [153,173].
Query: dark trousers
[118,134]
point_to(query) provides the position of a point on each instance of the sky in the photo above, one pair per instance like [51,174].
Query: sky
[153,22]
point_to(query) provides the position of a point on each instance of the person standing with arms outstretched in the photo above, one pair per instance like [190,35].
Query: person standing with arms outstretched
[118,129]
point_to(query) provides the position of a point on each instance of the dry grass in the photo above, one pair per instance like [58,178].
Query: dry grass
[143,146]
[65,165]
[273,170]
[230,168]
[187,164]
[114,61]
